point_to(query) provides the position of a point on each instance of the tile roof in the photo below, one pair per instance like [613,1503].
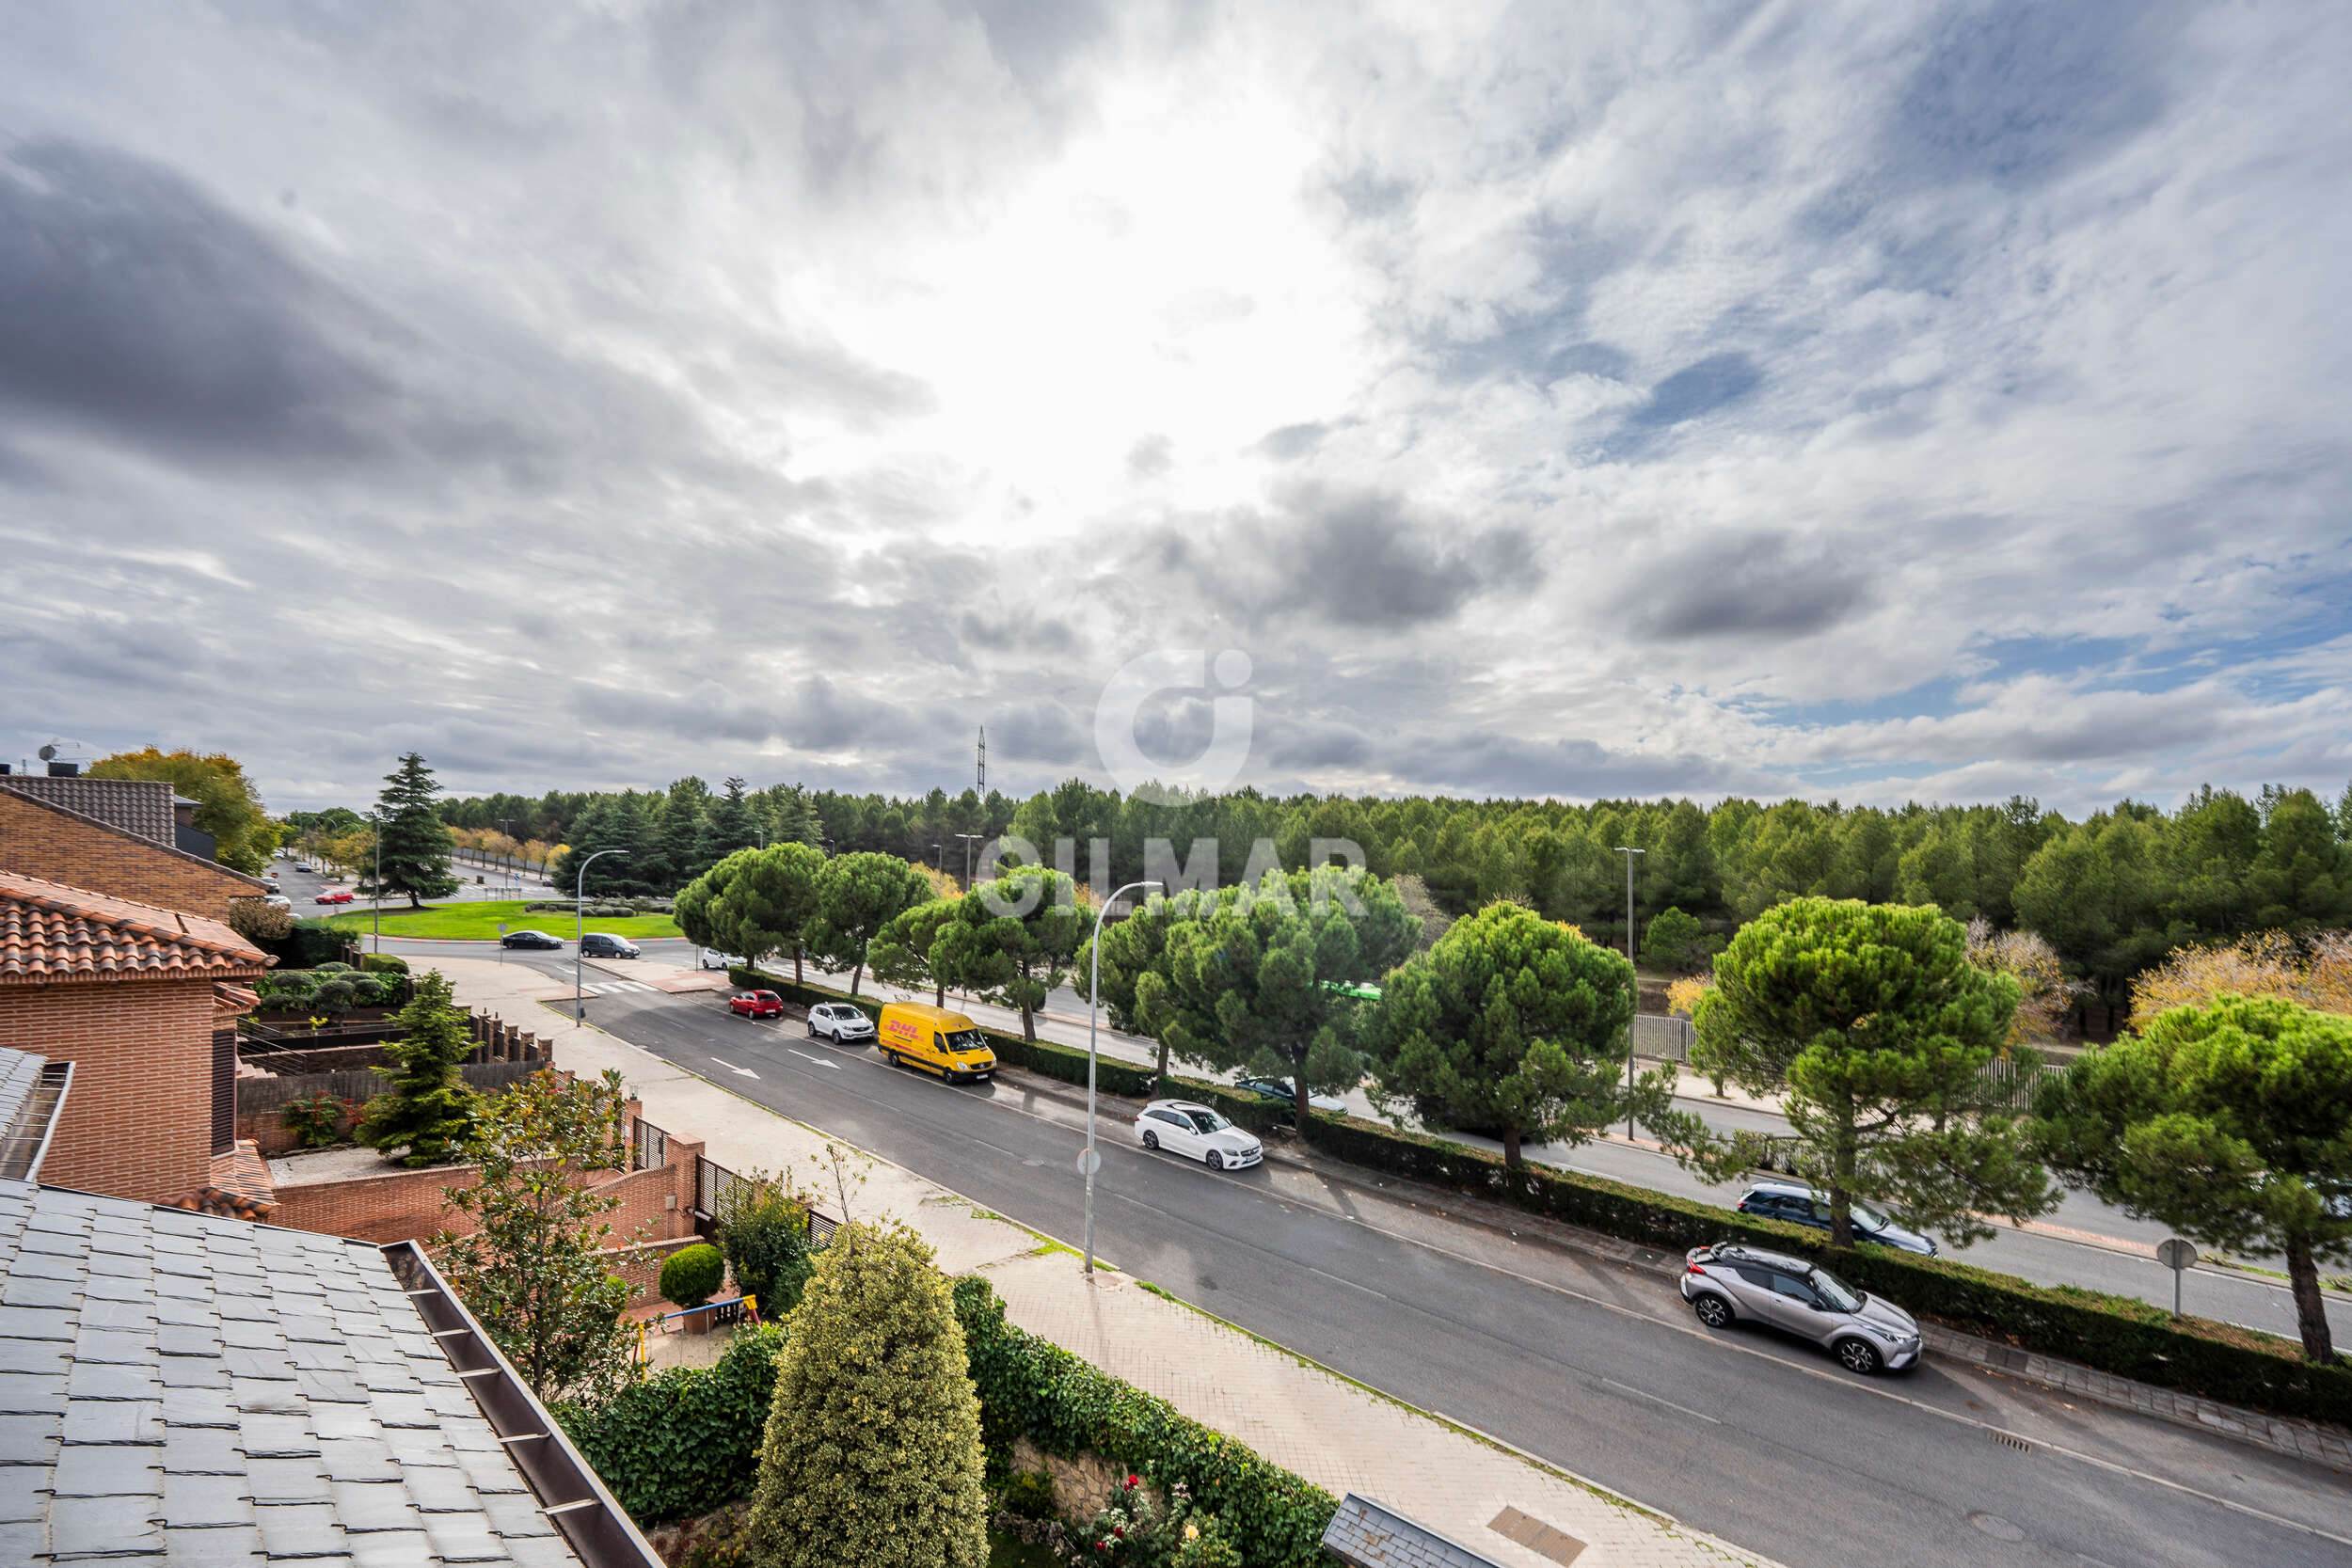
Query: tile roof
[51,932]
[137,806]
[1366,1534]
[201,1389]
[169,843]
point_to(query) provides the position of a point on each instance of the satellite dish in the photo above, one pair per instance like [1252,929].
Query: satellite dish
[48,754]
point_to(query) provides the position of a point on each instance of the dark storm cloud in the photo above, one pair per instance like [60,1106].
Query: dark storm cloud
[1759,584]
[137,305]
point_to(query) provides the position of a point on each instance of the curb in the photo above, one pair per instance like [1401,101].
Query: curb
[2289,1436]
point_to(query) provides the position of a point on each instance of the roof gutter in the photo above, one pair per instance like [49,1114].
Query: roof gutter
[25,1143]
[599,1531]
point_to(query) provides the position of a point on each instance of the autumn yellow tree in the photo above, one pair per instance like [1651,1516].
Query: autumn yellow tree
[2044,994]
[2314,971]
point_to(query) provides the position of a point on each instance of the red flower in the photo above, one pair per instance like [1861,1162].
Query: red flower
[1134,1480]
[1120,1531]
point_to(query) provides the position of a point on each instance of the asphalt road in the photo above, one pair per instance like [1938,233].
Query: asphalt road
[2225,1294]
[1595,1367]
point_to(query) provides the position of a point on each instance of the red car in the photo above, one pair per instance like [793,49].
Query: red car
[757,1004]
[338,895]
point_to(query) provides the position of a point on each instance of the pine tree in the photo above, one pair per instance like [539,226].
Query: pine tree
[872,1453]
[413,848]
[727,826]
[429,1108]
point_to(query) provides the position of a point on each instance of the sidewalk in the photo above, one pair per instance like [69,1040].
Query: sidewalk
[1335,1434]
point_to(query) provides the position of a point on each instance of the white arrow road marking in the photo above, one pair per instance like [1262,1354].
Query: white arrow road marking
[818,1060]
[732,1068]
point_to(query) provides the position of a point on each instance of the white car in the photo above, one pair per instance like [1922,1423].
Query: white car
[1182,1127]
[278,902]
[713,959]
[838,1022]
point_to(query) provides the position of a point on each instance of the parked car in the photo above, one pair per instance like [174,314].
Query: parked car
[1801,1205]
[333,896]
[302,865]
[529,938]
[839,1022]
[755,1003]
[713,958]
[949,1044]
[1182,1127]
[1733,1282]
[278,902]
[604,944]
[1279,1092]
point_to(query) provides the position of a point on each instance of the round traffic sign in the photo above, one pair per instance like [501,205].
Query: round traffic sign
[2176,1254]
[1089,1161]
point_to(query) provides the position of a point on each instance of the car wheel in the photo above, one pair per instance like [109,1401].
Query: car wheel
[1213,1160]
[812,1031]
[1152,1141]
[1713,1310]
[1859,1356]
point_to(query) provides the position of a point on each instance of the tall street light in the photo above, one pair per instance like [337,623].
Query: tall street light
[579,923]
[1628,853]
[376,903]
[969,840]
[1087,1161]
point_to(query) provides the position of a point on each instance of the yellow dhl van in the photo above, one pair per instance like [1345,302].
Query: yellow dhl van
[947,1043]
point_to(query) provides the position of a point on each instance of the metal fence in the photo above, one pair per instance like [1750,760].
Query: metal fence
[649,1146]
[2012,1085]
[1662,1039]
[714,1183]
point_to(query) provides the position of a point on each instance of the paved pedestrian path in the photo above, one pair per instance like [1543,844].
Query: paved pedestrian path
[1339,1436]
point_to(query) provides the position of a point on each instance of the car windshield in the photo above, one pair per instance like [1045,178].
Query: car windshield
[1208,1121]
[961,1040]
[1869,1219]
[1836,1292]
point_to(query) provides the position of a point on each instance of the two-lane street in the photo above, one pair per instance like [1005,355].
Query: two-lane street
[1597,1367]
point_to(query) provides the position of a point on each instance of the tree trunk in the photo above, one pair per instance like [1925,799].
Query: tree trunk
[855,975]
[939,995]
[1300,1109]
[2310,1307]
[1028,1023]
[1511,1149]
[796,967]
[1841,1186]
[1159,1073]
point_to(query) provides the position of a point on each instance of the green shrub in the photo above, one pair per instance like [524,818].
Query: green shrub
[763,1226]
[1031,1388]
[2113,1334]
[1029,1495]
[691,1276]
[333,966]
[686,1441]
[872,1452]
[316,1120]
[383,963]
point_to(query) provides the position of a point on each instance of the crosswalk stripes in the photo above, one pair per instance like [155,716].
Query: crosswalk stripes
[609,987]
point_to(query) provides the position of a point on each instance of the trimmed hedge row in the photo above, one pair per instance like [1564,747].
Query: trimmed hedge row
[2114,1334]
[1054,1061]
[684,1441]
[1031,1388]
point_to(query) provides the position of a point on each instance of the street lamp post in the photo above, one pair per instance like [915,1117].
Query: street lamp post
[1628,853]
[580,929]
[969,840]
[1094,1010]
[375,902]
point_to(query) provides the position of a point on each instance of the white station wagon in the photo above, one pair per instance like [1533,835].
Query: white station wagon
[1182,1127]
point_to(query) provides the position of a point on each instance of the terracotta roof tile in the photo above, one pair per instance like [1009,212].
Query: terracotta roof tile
[50,932]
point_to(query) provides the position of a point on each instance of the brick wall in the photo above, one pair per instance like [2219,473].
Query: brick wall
[63,846]
[137,1121]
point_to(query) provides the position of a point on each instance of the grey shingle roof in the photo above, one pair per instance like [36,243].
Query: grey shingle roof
[19,1072]
[208,1390]
[140,806]
[1366,1534]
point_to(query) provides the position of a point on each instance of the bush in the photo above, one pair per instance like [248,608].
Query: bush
[2113,1334]
[316,1120]
[763,1226]
[691,1276]
[1029,1495]
[1031,1388]
[383,963]
[872,1452]
[258,922]
[686,1441]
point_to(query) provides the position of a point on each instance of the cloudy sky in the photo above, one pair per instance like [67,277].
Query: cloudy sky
[1869,401]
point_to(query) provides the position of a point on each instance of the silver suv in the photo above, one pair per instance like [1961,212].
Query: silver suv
[1732,1282]
[839,1022]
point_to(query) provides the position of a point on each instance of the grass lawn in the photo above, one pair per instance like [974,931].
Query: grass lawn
[480,922]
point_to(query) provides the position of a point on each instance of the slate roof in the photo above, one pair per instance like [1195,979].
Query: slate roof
[198,1389]
[51,932]
[30,1088]
[138,806]
[1366,1534]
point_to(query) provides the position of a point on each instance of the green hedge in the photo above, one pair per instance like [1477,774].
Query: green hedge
[684,1441]
[2114,1334]
[383,963]
[1031,1388]
[1054,1061]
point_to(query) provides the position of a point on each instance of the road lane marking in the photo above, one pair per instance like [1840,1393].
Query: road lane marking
[732,1068]
[1646,1394]
[1834,1379]
[818,1060]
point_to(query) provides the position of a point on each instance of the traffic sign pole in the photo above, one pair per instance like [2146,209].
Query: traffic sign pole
[2180,1257]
